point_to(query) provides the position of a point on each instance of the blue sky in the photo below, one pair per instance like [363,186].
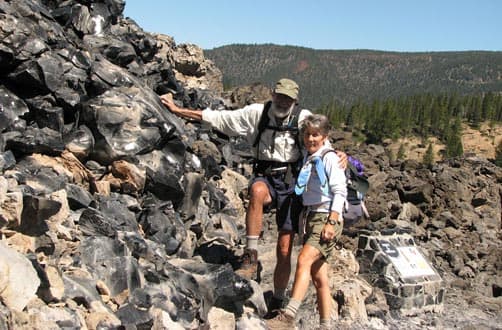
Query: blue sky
[391,25]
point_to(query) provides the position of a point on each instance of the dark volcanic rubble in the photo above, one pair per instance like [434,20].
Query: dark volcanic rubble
[114,213]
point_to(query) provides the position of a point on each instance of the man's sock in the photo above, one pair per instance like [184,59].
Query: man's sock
[325,323]
[292,307]
[252,242]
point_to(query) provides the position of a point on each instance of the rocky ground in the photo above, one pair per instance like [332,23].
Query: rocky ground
[461,309]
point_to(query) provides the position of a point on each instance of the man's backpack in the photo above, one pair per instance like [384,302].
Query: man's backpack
[357,186]
[264,167]
[291,127]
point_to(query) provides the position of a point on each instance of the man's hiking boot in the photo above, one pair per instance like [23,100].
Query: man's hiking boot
[273,308]
[325,327]
[281,321]
[248,268]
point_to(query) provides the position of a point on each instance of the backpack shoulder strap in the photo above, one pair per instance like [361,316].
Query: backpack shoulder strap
[263,123]
[295,114]
[294,124]
[324,152]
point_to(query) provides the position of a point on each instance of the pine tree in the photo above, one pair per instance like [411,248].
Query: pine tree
[454,147]
[428,159]
[498,154]
[488,106]
[391,155]
[401,152]
[475,112]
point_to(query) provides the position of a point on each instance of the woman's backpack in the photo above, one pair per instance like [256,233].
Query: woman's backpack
[357,186]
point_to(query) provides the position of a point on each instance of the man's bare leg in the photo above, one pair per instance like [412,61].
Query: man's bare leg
[282,269]
[259,197]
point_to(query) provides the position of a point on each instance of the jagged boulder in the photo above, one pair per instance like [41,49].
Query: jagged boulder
[18,279]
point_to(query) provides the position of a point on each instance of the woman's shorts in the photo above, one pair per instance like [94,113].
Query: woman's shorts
[314,226]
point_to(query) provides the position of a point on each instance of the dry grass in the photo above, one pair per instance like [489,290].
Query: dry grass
[482,143]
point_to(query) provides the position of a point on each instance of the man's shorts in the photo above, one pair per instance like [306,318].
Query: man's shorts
[288,205]
[314,226]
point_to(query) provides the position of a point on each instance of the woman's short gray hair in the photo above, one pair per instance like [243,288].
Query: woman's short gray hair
[316,121]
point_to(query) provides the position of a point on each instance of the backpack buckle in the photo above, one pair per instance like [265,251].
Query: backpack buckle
[277,170]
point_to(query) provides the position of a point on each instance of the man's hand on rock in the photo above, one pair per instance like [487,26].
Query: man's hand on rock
[167,100]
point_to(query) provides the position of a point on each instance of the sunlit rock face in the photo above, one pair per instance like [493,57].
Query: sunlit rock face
[117,214]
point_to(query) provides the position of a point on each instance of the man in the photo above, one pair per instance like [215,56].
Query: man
[277,154]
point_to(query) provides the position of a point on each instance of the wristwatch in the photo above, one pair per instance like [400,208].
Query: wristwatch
[333,221]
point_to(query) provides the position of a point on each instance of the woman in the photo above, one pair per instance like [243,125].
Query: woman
[322,185]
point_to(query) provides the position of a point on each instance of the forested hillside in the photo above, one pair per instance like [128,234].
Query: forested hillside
[380,95]
[424,115]
[348,76]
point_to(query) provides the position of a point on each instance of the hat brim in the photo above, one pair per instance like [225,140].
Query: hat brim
[287,92]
